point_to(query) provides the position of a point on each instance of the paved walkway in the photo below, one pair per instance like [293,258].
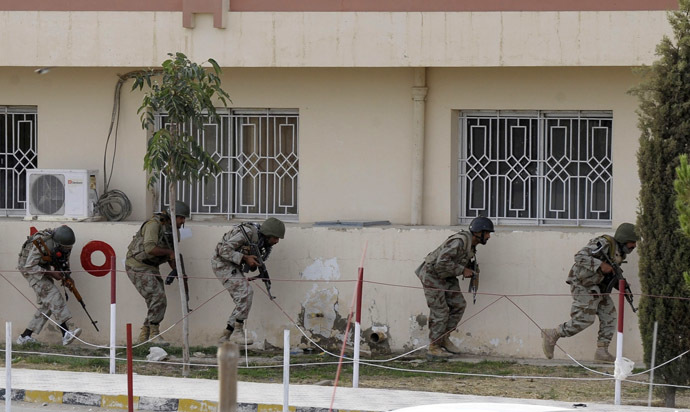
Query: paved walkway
[160,393]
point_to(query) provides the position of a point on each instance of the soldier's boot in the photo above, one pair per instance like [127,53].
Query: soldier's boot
[448,345]
[602,354]
[549,338]
[435,351]
[144,334]
[239,336]
[155,334]
[225,336]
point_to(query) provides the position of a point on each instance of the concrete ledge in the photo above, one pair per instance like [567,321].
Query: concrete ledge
[144,403]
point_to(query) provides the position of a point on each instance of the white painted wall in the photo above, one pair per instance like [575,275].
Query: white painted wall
[514,262]
[335,39]
[355,128]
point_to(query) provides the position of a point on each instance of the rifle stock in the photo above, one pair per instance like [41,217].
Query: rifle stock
[611,281]
[263,272]
[60,263]
[474,280]
[173,274]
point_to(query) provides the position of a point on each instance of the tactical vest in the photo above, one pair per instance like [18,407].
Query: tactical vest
[165,240]
[47,236]
[466,238]
[613,247]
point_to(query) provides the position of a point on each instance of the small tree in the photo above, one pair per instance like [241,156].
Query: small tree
[664,251]
[186,94]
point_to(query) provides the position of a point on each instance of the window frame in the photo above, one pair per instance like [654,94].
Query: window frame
[541,117]
[226,141]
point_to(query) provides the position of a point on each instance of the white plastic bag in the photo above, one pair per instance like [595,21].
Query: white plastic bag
[624,367]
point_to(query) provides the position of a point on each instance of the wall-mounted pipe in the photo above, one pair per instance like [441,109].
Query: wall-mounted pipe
[419,92]
[377,337]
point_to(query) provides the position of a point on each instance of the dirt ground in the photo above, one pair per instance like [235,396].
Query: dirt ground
[509,378]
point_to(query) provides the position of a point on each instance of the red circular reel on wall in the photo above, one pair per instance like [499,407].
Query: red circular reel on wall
[97,246]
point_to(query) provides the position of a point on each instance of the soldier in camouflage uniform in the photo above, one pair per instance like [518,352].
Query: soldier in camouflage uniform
[587,281]
[150,247]
[232,258]
[36,263]
[439,275]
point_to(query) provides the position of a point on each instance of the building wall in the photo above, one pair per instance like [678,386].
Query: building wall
[350,75]
[313,271]
[355,128]
[335,39]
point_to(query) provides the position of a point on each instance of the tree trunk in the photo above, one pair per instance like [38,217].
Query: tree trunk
[670,397]
[180,282]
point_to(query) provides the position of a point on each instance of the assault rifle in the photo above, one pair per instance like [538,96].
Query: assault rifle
[263,272]
[173,274]
[611,280]
[474,280]
[60,262]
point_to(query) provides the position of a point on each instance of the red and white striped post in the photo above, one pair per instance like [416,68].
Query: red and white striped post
[358,327]
[130,374]
[619,344]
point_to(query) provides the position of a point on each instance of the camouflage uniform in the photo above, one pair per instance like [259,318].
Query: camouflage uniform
[142,267]
[585,279]
[48,297]
[227,265]
[440,270]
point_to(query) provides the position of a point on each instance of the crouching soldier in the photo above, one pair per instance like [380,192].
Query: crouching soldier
[590,300]
[38,263]
[152,246]
[232,259]
[439,275]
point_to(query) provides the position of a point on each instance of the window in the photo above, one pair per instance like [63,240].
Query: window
[258,153]
[536,168]
[18,152]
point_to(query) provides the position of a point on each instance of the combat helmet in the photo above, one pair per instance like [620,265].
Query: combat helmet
[626,233]
[273,227]
[64,236]
[481,224]
[181,209]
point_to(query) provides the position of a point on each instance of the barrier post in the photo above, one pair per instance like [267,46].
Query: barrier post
[619,341]
[651,372]
[113,313]
[8,366]
[228,355]
[286,370]
[358,329]
[130,377]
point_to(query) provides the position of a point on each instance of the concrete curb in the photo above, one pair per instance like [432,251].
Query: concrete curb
[144,403]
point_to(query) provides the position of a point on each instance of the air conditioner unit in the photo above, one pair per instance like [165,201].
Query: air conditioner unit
[57,194]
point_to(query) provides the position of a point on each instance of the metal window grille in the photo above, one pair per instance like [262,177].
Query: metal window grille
[18,152]
[257,151]
[536,168]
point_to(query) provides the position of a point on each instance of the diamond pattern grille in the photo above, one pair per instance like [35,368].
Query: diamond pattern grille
[18,152]
[258,153]
[536,168]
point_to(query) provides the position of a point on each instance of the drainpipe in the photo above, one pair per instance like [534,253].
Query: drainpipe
[419,92]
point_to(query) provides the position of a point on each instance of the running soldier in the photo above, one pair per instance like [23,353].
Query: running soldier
[586,279]
[37,262]
[232,259]
[152,246]
[439,275]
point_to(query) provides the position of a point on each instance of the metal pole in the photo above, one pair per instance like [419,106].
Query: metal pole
[130,378]
[358,329]
[8,366]
[619,344]
[286,370]
[651,372]
[228,355]
[113,312]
